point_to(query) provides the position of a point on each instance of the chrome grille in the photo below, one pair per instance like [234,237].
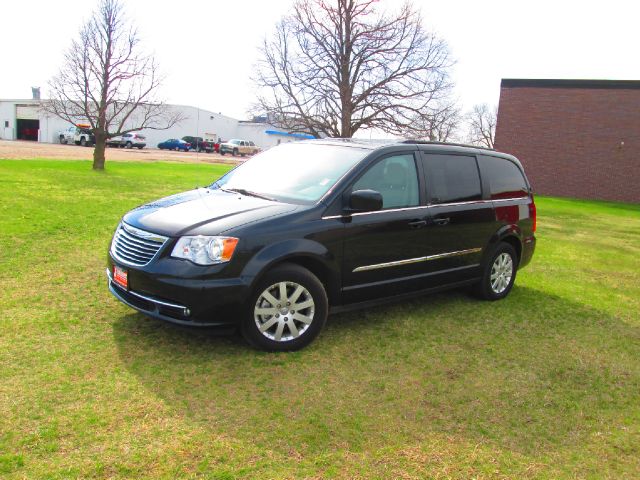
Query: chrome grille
[134,246]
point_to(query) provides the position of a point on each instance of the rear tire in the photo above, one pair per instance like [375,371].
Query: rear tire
[499,273]
[286,310]
[83,142]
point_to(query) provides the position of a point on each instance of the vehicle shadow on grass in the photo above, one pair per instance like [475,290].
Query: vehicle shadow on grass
[532,373]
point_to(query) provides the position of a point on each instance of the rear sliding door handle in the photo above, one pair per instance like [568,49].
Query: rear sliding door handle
[441,220]
[417,223]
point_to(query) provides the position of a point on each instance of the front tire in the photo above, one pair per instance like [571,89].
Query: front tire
[235,152]
[499,273]
[286,310]
[83,142]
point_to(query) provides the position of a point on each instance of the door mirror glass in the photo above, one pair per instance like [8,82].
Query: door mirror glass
[365,201]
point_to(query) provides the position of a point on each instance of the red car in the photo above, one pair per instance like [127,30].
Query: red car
[209,147]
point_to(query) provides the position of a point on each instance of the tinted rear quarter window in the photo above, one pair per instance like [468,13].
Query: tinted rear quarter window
[452,178]
[504,178]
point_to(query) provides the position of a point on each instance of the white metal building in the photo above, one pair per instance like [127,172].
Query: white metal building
[25,120]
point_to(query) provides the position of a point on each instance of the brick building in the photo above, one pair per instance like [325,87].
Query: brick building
[575,138]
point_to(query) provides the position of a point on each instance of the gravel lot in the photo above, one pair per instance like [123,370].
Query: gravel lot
[23,149]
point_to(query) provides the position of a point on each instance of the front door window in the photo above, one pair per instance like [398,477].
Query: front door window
[395,178]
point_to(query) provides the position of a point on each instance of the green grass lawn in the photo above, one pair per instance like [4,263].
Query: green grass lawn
[544,384]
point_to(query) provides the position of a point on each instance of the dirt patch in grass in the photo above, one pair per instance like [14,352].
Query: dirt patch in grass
[21,149]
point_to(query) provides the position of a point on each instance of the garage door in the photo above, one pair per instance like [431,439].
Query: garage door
[27,112]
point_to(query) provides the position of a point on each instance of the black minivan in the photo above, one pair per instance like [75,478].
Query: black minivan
[314,227]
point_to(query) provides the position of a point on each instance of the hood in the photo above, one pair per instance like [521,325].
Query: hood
[202,212]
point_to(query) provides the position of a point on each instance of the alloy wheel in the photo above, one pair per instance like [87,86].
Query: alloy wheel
[284,311]
[501,273]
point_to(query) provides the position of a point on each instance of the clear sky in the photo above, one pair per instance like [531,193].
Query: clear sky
[208,48]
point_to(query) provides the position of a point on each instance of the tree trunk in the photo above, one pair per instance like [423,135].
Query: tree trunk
[98,152]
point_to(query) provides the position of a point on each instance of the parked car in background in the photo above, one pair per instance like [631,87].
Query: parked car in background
[66,136]
[211,143]
[195,142]
[175,144]
[79,134]
[277,244]
[128,140]
[199,144]
[209,146]
[239,147]
[84,136]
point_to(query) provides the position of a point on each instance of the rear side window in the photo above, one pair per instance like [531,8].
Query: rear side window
[452,178]
[504,178]
[395,178]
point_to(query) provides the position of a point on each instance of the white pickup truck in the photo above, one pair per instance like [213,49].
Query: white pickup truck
[66,135]
[78,134]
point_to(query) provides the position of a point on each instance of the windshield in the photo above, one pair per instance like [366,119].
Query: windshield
[295,172]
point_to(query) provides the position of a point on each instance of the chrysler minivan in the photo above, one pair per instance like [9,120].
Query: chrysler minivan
[314,227]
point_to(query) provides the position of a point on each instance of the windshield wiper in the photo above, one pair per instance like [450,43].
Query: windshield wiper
[248,193]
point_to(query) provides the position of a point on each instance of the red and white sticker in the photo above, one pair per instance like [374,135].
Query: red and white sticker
[120,276]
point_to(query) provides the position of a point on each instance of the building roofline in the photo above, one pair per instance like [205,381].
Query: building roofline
[21,100]
[568,83]
[170,105]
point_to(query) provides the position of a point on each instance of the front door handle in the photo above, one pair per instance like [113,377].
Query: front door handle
[441,220]
[417,223]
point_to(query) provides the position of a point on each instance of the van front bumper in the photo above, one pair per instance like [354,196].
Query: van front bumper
[214,302]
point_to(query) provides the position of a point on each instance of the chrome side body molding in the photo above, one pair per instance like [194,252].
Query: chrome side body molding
[408,261]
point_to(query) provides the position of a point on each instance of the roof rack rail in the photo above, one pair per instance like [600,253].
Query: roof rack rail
[431,142]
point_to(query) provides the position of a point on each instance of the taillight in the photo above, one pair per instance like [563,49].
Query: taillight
[533,214]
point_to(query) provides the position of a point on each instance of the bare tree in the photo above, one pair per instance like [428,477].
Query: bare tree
[107,82]
[334,67]
[440,124]
[482,125]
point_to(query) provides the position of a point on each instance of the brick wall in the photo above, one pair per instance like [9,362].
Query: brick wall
[570,137]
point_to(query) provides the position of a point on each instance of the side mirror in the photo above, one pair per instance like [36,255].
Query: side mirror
[365,201]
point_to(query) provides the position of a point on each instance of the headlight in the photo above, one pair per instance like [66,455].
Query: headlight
[205,250]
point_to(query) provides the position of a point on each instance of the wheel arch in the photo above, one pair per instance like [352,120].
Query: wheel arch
[510,234]
[516,243]
[306,253]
